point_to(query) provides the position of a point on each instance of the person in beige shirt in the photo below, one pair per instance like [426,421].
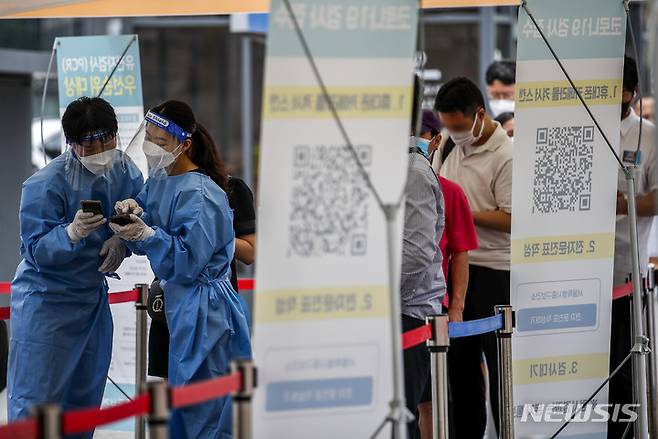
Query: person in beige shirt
[475,152]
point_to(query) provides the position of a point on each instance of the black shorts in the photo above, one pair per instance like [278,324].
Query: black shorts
[427,393]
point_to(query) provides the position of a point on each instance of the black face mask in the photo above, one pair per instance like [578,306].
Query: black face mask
[624,108]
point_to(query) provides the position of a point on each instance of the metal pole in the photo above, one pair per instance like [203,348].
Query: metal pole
[247,113]
[487,40]
[438,347]
[242,406]
[399,414]
[652,378]
[639,361]
[140,352]
[159,415]
[49,417]
[506,387]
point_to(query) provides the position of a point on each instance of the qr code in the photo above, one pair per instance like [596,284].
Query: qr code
[329,211]
[563,169]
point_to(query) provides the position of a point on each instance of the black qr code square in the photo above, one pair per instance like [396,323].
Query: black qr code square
[563,169]
[329,211]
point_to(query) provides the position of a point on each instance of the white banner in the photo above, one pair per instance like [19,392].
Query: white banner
[322,332]
[563,220]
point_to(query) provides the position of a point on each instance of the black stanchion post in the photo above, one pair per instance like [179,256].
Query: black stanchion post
[140,352]
[504,335]
[49,417]
[242,423]
[160,403]
[652,367]
[438,347]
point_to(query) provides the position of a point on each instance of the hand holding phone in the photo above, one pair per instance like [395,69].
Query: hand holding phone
[88,219]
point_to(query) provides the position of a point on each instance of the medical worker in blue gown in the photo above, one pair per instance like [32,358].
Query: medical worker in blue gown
[186,231]
[61,326]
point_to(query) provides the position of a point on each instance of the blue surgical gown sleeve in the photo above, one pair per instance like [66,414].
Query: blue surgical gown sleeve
[141,199]
[137,181]
[43,226]
[137,186]
[180,253]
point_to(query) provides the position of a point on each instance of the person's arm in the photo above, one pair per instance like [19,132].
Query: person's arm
[461,239]
[419,244]
[43,221]
[494,219]
[645,204]
[245,248]
[241,200]
[501,218]
[459,285]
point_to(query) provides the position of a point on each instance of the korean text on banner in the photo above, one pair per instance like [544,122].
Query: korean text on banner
[83,66]
[563,219]
[322,308]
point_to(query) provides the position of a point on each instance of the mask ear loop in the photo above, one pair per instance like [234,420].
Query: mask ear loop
[481,127]
[176,157]
[475,122]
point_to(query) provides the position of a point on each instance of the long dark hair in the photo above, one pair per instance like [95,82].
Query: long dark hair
[204,152]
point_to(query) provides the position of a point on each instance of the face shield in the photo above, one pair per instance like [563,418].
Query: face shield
[92,156]
[157,143]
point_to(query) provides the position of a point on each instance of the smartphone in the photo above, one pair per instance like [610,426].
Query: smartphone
[121,219]
[92,206]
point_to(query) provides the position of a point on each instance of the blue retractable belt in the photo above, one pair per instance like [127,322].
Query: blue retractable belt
[475,327]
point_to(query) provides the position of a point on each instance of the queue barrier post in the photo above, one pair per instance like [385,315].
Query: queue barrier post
[242,405]
[652,366]
[49,418]
[504,336]
[140,351]
[158,418]
[438,346]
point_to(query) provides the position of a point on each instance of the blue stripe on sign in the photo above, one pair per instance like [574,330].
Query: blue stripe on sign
[319,394]
[556,317]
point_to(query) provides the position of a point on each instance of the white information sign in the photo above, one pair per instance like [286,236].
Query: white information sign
[322,306]
[563,219]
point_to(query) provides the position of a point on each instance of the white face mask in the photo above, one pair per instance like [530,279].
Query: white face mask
[158,157]
[500,106]
[467,138]
[98,163]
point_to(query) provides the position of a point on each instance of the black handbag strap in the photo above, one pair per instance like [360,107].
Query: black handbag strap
[447,149]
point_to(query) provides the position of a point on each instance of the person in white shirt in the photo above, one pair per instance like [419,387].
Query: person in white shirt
[646,191]
[481,163]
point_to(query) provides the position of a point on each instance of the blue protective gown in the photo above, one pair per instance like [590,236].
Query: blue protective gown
[61,326]
[191,254]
